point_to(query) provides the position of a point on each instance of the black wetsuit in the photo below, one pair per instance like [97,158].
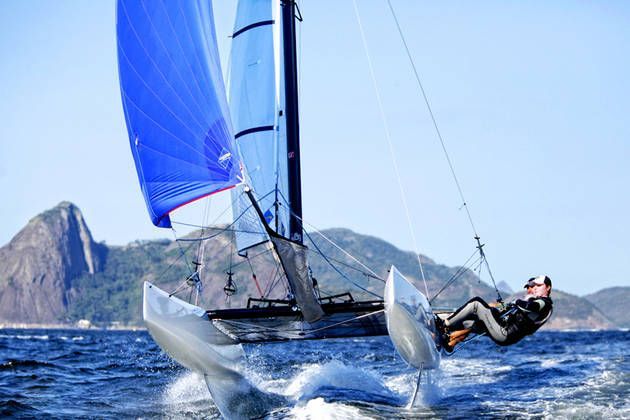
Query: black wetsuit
[522,317]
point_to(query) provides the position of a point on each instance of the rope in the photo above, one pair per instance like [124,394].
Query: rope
[300,333]
[391,148]
[346,253]
[339,271]
[439,135]
[458,273]
[463,343]
[346,321]
[254,277]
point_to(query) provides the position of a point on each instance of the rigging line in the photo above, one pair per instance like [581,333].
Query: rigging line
[319,232]
[181,250]
[254,277]
[208,225]
[456,274]
[266,251]
[437,130]
[460,271]
[391,147]
[227,228]
[339,271]
[163,273]
[369,274]
[221,230]
[350,267]
[439,135]
[245,324]
[275,279]
[201,249]
[299,332]
[345,321]
[206,238]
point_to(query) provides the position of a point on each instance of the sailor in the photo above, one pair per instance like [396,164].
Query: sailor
[504,324]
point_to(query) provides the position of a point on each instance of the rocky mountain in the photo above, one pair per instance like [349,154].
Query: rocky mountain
[612,302]
[576,313]
[53,272]
[38,266]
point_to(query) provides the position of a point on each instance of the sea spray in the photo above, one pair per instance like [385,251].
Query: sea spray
[320,379]
[318,408]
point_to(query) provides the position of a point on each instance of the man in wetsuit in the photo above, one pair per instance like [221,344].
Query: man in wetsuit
[505,324]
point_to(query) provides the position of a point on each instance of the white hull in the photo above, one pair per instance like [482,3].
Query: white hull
[184,332]
[410,322]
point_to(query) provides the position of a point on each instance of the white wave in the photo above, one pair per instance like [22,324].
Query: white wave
[402,384]
[187,388]
[429,393]
[30,337]
[549,363]
[319,409]
[334,374]
[66,338]
[584,410]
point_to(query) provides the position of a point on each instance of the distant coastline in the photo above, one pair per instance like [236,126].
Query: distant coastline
[25,326]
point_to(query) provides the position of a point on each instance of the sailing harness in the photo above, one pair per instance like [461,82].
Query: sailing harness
[517,320]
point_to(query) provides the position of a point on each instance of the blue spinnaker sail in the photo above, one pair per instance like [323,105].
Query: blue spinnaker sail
[175,102]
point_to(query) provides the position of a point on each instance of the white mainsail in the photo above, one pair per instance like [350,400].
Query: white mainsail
[256,98]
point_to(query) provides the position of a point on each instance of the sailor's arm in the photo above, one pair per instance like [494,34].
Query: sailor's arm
[531,305]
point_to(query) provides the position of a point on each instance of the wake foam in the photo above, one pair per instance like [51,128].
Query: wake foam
[188,388]
[314,379]
[320,409]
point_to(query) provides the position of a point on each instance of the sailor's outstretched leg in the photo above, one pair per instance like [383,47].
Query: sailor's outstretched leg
[476,309]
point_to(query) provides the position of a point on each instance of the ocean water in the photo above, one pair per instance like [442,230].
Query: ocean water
[123,374]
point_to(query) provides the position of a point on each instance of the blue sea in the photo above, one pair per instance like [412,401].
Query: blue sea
[123,374]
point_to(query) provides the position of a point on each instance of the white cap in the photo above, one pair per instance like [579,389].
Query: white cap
[542,279]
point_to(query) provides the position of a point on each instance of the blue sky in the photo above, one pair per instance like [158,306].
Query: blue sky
[531,98]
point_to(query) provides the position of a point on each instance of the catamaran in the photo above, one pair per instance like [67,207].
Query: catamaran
[188,144]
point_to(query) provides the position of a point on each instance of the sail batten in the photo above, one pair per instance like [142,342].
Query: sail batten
[175,103]
[252,26]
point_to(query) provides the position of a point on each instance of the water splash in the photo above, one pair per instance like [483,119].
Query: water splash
[318,408]
[315,379]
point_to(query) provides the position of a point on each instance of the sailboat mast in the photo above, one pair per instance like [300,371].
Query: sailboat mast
[292,119]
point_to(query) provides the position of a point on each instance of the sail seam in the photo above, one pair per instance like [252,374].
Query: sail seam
[252,26]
